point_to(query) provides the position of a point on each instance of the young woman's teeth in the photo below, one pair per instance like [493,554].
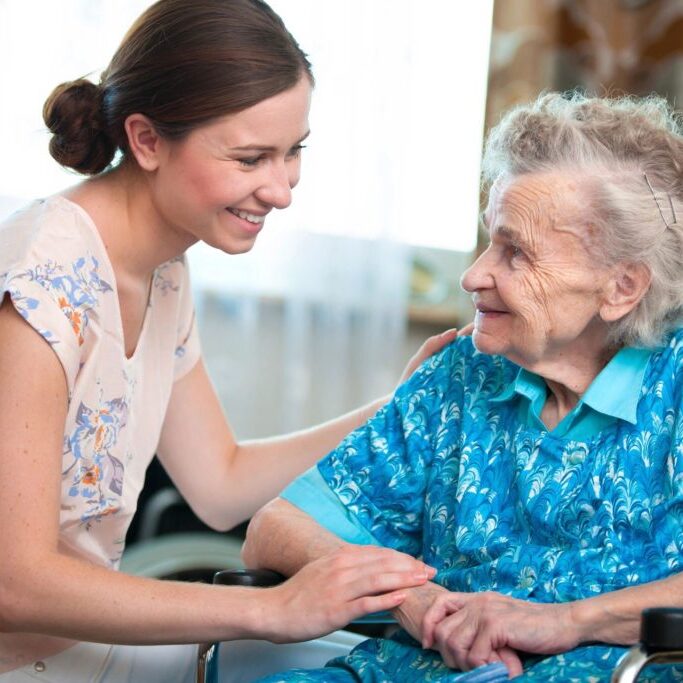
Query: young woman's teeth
[247,216]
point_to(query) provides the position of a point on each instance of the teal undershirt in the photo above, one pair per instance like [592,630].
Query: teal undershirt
[613,395]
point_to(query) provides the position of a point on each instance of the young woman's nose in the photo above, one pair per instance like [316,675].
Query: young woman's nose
[276,189]
[479,275]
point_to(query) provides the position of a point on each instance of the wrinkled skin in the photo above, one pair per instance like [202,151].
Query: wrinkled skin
[472,629]
[537,289]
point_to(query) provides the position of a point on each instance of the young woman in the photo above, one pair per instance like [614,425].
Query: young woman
[194,133]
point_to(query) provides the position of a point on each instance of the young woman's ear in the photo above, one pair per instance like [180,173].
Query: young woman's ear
[627,286]
[143,141]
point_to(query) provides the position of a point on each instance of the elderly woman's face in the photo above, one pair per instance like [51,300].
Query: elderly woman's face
[536,292]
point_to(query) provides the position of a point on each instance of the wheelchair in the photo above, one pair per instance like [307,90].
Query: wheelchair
[661,642]
[661,635]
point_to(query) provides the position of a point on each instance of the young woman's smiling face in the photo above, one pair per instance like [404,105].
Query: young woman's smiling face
[219,183]
[536,291]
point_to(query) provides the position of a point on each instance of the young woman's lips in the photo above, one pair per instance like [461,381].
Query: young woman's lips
[251,223]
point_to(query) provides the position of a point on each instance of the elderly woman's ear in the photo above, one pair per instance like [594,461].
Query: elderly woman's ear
[625,288]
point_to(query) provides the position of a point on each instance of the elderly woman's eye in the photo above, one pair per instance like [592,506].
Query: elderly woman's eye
[516,252]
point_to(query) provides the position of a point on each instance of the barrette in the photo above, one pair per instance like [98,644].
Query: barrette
[674,219]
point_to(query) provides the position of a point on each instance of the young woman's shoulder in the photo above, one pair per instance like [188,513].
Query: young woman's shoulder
[55,270]
[47,230]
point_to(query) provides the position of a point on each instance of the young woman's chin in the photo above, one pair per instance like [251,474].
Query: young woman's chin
[232,246]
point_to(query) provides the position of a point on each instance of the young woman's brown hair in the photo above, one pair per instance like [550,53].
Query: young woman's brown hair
[181,64]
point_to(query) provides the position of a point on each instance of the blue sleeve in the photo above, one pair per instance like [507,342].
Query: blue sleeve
[377,479]
[311,494]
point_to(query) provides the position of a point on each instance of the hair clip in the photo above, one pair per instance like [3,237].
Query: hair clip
[674,219]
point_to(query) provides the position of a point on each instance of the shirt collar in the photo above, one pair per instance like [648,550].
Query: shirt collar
[614,392]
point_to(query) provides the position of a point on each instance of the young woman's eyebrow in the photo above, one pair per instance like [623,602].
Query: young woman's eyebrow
[265,148]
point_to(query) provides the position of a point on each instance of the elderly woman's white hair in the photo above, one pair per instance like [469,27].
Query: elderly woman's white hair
[628,155]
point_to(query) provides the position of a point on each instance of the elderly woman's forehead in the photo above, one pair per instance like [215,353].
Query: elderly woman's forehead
[556,192]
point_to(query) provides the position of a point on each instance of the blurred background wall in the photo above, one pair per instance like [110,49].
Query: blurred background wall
[606,47]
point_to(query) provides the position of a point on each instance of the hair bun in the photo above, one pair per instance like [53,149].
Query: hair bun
[73,113]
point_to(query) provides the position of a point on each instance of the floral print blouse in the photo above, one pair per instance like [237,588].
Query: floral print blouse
[55,268]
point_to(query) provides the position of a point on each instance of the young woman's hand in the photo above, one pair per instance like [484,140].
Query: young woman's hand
[473,629]
[431,346]
[332,591]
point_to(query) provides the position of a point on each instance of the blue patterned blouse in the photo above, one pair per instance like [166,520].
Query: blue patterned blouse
[459,470]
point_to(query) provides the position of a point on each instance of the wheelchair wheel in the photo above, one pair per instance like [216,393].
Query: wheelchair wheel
[183,557]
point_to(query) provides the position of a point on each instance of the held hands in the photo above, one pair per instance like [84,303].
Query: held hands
[431,346]
[336,589]
[411,612]
[472,629]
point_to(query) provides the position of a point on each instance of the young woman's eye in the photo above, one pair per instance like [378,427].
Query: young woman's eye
[250,161]
[295,151]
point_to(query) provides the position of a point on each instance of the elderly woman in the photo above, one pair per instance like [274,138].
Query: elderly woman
[538,465]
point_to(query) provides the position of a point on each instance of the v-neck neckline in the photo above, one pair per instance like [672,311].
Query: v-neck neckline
[107,264]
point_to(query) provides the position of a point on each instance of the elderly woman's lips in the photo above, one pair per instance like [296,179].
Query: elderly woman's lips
[488,309]
[488,314]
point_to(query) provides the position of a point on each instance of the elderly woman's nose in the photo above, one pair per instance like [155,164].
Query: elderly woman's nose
[477,276]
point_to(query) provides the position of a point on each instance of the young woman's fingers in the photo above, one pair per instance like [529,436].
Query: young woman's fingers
[466,331]
[428,348]
[362,583]
[373,573]
[375,603]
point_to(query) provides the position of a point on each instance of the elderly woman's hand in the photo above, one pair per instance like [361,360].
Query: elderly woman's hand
[411,612]
[472,629]
[431,346]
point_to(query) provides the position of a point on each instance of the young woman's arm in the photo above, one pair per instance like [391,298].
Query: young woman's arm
[226,482]
[43,590]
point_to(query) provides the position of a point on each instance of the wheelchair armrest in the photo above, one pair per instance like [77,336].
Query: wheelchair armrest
[253,578]
[661,642]
[661,629]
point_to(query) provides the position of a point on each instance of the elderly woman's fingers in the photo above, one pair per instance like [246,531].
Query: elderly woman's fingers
[488,646]
[512,661]
[442,606]
[428,348]
[453,638]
